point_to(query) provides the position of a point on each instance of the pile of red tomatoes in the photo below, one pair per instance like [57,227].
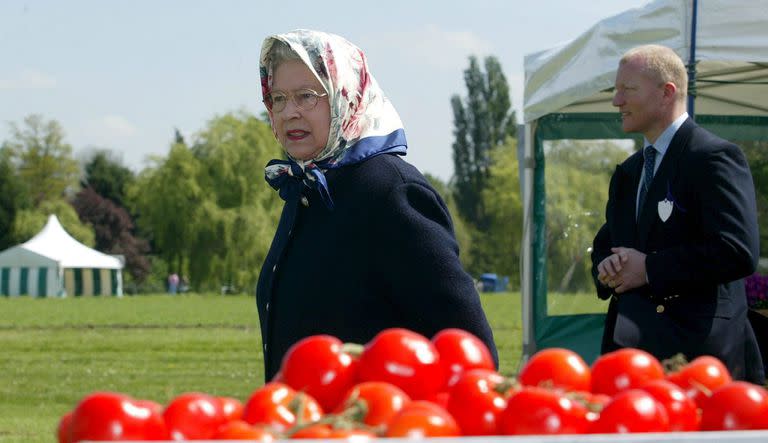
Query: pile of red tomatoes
[402,384]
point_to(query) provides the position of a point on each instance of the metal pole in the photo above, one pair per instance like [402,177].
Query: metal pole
[526,253]
[692,62]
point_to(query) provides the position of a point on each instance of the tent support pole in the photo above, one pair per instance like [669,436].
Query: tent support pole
[527,164]
[692,62]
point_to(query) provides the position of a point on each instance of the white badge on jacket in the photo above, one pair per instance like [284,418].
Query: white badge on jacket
[665,209]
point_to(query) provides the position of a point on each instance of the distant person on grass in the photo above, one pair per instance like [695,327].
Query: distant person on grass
[364,242]
[681,227]
[173,283]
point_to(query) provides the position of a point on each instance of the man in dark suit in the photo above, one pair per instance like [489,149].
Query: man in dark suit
[681,227]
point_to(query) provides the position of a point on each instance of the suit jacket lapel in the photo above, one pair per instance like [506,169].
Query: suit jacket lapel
[624,211]
[661,181]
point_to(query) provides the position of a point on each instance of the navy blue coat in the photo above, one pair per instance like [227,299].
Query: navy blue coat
[384,257]
[695,302]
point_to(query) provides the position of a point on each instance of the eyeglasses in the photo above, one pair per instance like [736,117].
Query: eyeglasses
[304,99]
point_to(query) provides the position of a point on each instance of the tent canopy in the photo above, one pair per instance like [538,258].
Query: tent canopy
[731,58]
[568,93]
[52,263]
[54,246]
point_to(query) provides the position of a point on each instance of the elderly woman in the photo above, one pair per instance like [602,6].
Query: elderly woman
[364,242]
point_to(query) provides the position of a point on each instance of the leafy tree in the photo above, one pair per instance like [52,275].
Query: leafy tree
[208,208]
[482,121]
[242,215]
[577,176]
[497,248]
[12,199]
[113,229]
[167,198]
[107,177]
[29,222]
[757,156]
[101,203]
[46,168]
[590,156]
[233,150]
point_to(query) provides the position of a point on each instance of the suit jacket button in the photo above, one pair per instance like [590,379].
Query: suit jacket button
[660,309]
[304,201]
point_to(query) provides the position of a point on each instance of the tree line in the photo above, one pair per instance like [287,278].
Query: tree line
[203,211]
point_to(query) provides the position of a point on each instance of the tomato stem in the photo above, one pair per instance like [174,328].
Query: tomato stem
[356,410]
[674,363]
[509,383]
[353,349]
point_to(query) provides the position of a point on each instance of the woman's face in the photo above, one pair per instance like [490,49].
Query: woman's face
[303,133]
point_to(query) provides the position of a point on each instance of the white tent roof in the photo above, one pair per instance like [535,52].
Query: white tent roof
[731,45]
[53,245]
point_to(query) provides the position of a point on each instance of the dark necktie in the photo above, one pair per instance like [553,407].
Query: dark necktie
[650,161]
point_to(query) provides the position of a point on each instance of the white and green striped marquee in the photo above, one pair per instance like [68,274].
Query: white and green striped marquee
[54,264]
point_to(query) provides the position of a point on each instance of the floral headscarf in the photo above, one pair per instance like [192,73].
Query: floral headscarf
[363,121]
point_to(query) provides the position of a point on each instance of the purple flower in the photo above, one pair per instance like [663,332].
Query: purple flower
[757,291]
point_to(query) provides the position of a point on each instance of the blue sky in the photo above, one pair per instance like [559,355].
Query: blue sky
[122,75]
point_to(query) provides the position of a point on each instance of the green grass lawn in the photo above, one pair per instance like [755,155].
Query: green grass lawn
[55,351]
[575,303]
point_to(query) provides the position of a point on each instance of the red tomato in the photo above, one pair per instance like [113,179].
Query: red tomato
[152,405]
[439,398]
[381,401]
[594,403]
[240,430]
[476,400]
[461,351]
[317,431]
[277,405]
[624,369]
[319,366]
[157,428]
[557,367]
[113,416]
[681,409]
[64,430]
[700,377]
[324,431]
[232,408]
[736,406]
[632,410]
[534,410]
[420,419]
[404,358]
[193,416]
[352,435]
